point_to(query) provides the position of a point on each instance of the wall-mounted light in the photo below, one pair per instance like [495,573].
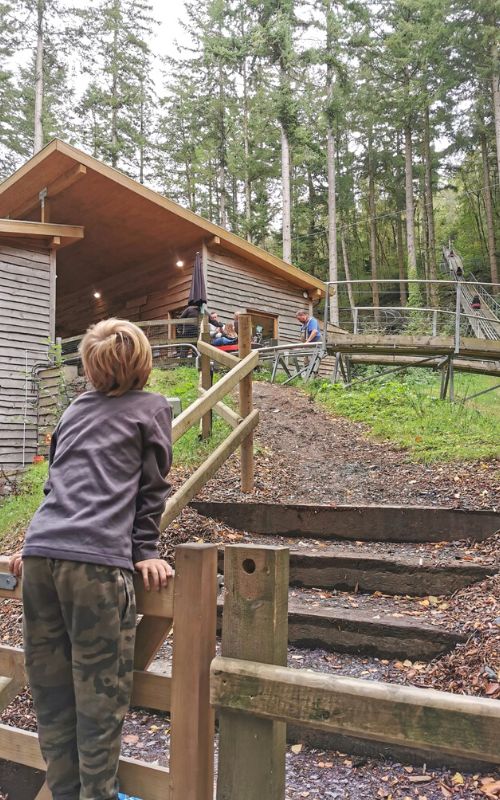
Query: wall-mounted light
[179,263]
[97,295]
[305,295]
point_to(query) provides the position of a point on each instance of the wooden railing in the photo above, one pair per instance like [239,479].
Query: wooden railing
[190,602]
[211,399]
[256,694]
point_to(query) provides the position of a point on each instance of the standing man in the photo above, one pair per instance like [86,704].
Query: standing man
[310,332]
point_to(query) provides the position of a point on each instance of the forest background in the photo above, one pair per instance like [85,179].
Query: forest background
[353,138]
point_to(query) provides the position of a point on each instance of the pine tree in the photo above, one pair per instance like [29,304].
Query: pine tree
[117,106]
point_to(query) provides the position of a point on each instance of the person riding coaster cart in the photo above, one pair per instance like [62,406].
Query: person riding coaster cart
[476,302]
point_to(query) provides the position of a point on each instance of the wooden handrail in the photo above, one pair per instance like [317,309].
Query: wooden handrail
[196,410]
[181,498]
[216,354]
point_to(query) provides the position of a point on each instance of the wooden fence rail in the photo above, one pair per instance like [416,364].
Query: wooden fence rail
[256,694]
[190,600]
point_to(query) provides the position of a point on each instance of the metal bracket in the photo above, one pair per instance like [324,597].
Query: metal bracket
[7,581]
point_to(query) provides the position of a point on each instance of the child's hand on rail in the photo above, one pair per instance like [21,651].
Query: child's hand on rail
[155,573]
[16,564]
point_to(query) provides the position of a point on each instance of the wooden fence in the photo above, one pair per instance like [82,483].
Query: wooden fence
[189,601]
[257,695]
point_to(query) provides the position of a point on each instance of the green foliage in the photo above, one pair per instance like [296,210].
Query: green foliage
[408,414]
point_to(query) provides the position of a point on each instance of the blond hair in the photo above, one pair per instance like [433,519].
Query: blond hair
[116,356]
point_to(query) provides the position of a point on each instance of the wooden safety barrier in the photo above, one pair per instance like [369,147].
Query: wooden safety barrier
[191,601]
[211,397]
[256,694]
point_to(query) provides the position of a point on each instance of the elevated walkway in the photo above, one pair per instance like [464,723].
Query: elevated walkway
[483,321]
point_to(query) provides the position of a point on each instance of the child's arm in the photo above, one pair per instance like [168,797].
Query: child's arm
[153,490]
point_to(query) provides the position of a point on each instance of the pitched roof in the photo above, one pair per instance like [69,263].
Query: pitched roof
[125,222]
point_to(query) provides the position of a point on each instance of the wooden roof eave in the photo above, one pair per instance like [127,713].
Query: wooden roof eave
[56,235]
[228,240]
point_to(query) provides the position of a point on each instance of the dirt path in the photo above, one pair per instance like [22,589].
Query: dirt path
[310,456]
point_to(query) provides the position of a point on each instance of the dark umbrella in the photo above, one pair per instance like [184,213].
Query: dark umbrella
[198,291]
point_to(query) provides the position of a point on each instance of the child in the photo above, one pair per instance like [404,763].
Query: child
[105,493]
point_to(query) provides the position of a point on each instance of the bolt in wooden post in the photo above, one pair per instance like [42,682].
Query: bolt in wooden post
[192,718]
[205,378]
[246,403]
[255,628]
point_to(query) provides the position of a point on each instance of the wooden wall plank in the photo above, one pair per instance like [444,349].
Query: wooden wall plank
[232,284]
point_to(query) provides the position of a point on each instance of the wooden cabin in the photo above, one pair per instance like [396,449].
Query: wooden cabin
[80,241]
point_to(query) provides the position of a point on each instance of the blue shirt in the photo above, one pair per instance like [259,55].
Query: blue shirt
[311,325]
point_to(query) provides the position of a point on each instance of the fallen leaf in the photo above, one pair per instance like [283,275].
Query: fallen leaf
[457,779]
[296,748]
[131,738]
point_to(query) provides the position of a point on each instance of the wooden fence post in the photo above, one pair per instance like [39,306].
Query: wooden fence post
[246,403]
[192,718]
[255,627]
[205,378]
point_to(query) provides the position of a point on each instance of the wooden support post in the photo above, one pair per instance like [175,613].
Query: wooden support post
[246,403]
[205,379]
[254,627]
[193,724]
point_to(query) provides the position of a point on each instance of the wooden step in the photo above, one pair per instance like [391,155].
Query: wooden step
[356,570]
[356,523]
[356,631]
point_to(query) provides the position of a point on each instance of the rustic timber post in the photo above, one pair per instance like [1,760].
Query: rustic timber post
[246,403]
[254,627]
[192,718]
[205,378]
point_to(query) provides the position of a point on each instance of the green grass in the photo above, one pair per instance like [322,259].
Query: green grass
[16,510]
[182,382]
[407,412]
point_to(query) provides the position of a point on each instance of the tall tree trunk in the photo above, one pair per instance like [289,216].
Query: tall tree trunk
[332,228]
[330,148]
[141,131]
[488,206]
[114,91]
[403,295]
[347,270]
[286,194]
[246,152]
[429,212]
[39,84]
[495,86]
[222,151]
[373,235]
[413,290]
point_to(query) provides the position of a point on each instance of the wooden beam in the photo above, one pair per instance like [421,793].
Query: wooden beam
[254,626]
[196,410]
[154,603]
[148,781]
[225,412]
[193,721]
[44,793]
[150,634]
[206,377]
[14,227]
[246,403]
[191,487]
[467,727]
[151,690]
[216,354]
[12,662]
[56,187]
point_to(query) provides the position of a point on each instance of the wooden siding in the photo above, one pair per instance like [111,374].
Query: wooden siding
[232,284]
[150,291]
[25,283]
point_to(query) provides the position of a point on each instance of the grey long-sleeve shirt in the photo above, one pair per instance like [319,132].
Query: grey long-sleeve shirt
[106,487]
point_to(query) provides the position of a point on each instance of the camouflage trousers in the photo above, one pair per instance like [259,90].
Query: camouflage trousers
[79,633]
